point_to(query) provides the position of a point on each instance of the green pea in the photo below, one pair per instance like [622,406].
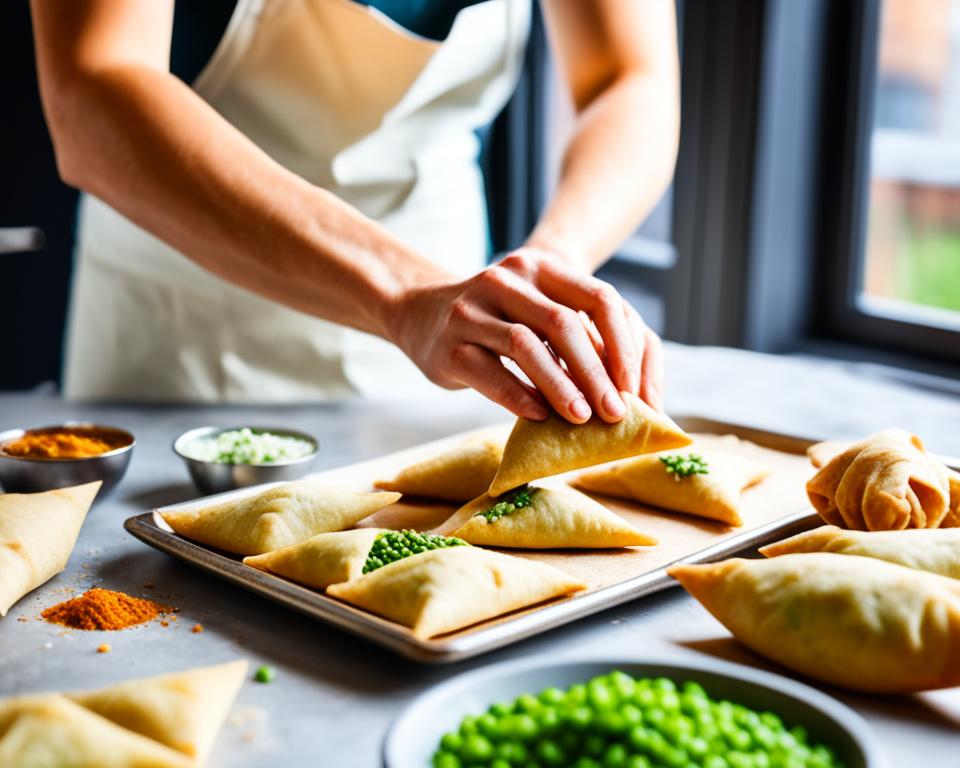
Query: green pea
[524,727]
[445,760]
[550,752]
[527,703]
[615,756]
[553,696]
[451,741]
[638,761]
[476,747]
[594,745]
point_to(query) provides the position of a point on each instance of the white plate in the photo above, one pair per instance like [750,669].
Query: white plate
[413,738]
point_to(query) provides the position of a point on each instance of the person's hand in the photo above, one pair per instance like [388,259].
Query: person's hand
[572,335]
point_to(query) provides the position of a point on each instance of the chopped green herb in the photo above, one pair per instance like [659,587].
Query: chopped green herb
[264,674]
[391,546]
[247,446]
[681,466]
[518,499]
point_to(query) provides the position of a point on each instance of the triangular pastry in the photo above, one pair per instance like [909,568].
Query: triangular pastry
[448,589]
[936,550]
[458,474]
[537,449]
[37,534]
[276,518]
[321,560]
[712,492]
[885,482]
[852,621]
[545,518]
[183,711]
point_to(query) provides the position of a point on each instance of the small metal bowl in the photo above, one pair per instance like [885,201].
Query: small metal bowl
[21,474]
[213,477]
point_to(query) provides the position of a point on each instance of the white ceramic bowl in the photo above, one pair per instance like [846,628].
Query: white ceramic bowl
[414,736]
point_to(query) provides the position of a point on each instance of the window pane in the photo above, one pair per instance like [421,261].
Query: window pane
[912,264]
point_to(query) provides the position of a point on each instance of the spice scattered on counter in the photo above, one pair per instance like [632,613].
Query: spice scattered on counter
[246,446]
[104,648]
[59,444]
[196,628]
[264,674]
[104,609]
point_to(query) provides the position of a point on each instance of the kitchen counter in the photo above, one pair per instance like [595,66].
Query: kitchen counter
[334,696]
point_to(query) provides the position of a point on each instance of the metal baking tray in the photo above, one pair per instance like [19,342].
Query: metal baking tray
[150,528]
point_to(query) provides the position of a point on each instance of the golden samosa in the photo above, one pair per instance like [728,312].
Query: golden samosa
[448,589]
[545,518]
[704,484]
[537,449]
[885,482]
[936,550]
[458,474]
[38,531]
[275,518]
[850,621]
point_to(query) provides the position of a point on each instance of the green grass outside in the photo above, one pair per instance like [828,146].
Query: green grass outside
[928,270]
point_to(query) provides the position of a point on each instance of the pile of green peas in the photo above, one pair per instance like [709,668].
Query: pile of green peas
[616,720]
[391,546]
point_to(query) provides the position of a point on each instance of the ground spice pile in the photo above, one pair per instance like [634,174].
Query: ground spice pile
[104,609]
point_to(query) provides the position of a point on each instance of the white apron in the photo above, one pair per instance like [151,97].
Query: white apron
[339,94]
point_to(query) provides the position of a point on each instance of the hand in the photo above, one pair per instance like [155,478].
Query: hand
[572,335]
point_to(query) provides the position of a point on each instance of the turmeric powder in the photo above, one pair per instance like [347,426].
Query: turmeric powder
[104,609]
[60,444]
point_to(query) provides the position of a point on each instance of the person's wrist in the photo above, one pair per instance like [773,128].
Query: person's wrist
[564,249]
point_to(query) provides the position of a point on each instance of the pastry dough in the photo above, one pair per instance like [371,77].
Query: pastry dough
[927,549]
[555,519]
[714,495]
[851,621]
[448,589]
[886,482]
[537,449]
[459,474]
[37,534]
[322,560]
[276,518]
[169,721]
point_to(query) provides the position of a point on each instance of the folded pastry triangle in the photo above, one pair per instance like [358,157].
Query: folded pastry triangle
[276,518]
[321,560]
[852,621]
[545,518]
[183,711]
[713,492]
[53,732]
[936,550]
[448,589]
[537,449]
[37,534]
[458,474]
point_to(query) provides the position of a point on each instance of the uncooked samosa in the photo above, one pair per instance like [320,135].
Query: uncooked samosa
[169,721]
[537,449]
[886,482]
[458,474]
[702,484]
[851,621]
[545,518]
[451,588]
[927,549]
[276,518]
[37,534]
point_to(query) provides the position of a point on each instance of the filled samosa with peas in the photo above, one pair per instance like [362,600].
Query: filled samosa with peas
[850,621]
[451,588]
[936,550]
[537,449]
[458,474]
[275,518]
[545,518]
[886,482]
[332,558]
[698,483]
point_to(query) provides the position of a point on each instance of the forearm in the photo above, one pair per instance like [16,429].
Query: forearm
[143,142]
[617,165]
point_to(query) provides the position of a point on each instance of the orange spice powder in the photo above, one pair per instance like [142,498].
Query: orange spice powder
[58,445]
[104,609]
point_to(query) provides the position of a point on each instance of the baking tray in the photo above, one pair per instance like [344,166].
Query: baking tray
[611,582]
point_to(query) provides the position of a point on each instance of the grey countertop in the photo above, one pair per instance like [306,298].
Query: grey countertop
[334,696]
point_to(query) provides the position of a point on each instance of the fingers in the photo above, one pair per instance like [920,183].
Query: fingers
[478,368]
[652,370]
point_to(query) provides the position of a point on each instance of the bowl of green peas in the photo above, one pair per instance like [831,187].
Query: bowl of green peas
[627,713]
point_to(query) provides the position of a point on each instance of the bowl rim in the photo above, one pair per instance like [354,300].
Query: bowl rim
[8,435]
[184,438]
[841,714]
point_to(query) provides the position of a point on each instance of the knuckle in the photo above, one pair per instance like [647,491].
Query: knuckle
[604,295]
[520,340]
[460,310]
[460,354]
[561,319]
[493,276]
[519,261]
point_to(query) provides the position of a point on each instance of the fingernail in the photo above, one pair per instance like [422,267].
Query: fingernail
[612,405]
[580,409]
